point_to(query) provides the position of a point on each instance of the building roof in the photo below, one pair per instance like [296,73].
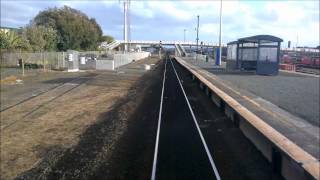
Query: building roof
[232,42]
[256,39]
[261,38]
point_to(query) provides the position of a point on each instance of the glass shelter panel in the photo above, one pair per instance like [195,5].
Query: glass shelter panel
[232,52]
[268,54]
[249,45]
[269,43]
[229,54]
[249,54]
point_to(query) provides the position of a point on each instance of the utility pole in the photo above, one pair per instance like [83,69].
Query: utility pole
[160,47]
[125,35]
[184,35]
[197,32]
[126,27]
[220,48]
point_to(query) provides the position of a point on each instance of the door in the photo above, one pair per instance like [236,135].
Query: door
[267,63]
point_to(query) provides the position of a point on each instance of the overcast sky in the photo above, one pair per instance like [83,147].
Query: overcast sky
[166,20]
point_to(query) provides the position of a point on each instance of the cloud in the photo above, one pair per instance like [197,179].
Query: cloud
[165,20]
[141,9]
[16,14]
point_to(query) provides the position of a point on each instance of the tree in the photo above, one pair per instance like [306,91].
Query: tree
[40,37]
[11,40]
[108,39]
[75,30]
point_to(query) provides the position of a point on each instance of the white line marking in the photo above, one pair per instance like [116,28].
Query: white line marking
[215,170]
[154,166]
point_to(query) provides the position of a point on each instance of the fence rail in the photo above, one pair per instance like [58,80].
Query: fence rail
[47,60]
[17,63]
[50,60]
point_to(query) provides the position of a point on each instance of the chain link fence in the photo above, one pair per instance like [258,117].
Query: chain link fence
[45,60]
[26,63]
[21,63]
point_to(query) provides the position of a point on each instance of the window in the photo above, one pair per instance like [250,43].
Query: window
[232,52]
[249,54]
[249,45]
[268,54]
[269,43]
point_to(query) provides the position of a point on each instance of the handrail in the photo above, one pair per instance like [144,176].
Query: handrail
[205,44]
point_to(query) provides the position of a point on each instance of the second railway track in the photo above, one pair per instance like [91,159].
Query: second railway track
[38,101]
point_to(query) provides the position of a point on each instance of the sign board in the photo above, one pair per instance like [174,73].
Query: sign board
[83,60]
[70,57]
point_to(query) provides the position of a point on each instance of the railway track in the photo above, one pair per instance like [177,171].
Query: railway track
[186,137]
[195,140]
[40,100]
[180,147]
[308,71]
[43,92]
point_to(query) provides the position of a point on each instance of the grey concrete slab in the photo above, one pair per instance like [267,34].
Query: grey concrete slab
[295,93]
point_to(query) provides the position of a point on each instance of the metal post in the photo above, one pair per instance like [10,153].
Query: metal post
[184,35]
[128,24]
[207,51]
[125,30]
[197,32]
[63,61]
[22,63]
[220,48]
[160,44]
[42,60]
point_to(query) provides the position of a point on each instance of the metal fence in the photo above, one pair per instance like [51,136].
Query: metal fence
[20,63]
[45,60]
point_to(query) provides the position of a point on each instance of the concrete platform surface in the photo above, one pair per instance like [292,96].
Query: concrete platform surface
[294,92]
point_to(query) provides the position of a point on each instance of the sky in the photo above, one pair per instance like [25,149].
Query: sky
[297,21]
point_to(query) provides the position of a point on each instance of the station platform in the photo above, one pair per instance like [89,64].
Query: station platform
[288,103]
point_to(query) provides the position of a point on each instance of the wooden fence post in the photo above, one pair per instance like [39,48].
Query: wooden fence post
[42,59]
[63,63]
[22,63]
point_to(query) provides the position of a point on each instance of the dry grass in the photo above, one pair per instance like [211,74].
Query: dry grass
[57,124]
[9,80]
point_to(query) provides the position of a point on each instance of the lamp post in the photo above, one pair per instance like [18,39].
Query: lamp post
[160,47]
[197,32]
[220,48]
[126,24]
[184,35]
[125,27]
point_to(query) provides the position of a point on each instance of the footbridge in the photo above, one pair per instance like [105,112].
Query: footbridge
[118,43]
